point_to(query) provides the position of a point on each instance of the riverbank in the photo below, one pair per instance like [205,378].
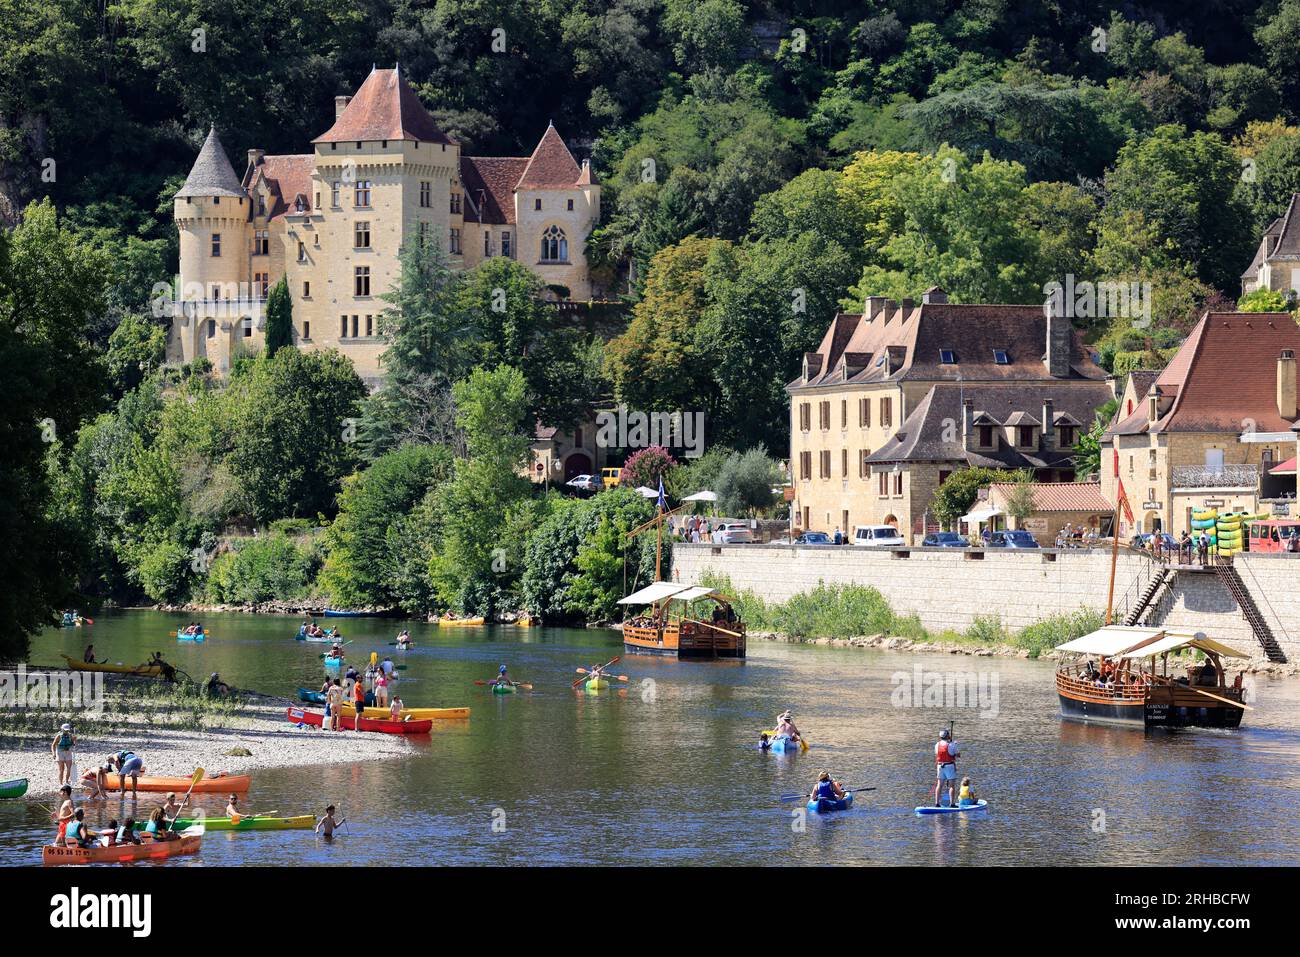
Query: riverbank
[299,607]
[174,738]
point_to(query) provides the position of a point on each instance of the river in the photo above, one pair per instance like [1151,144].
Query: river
[667,771]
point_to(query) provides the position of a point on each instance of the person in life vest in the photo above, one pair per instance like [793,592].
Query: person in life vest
[945,759]
[826,788]
[966,796]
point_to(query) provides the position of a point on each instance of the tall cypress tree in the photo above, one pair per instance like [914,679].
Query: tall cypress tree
[279,318]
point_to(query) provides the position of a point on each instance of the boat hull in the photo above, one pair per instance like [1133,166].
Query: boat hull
[693,643]
[144,671]
[1156,706]
[237,783]
[187,843]
[13,789]
[347,723]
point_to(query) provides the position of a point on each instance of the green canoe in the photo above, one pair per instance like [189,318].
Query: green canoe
[13,789]
[249,823]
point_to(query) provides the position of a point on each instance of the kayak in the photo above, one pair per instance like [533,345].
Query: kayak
[597,684]
[948,809]
[459,622]
[826,805]
[772,736]
[315,718]
[201,636]
[248,822]
[333,662]
[324,639]
[187,843]
[146,671]
[209,785]
[498,688]
[784,744]
[13,789]
[311,697]
[415,714]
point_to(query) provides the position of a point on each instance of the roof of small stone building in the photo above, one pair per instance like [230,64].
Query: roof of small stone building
[288,177]
[489,183]
[1060,496]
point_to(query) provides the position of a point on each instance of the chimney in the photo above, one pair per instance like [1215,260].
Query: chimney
[255,157]
[1059,336]
[934,294]
[872,306]
[1049,431]
[341,104]
[1286,398]
[905,308]
[968,423]
[887,310]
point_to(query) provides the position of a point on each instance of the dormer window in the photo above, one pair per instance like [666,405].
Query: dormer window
[947,357]
[1025,436]
[986,436]
[1000,357]
[261,204]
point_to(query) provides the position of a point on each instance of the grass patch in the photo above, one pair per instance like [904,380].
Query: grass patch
[182,706]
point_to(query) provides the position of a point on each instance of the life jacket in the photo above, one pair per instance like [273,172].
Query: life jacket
[942,755]
[73,830]
[65,740]
[965,793]
[826,789]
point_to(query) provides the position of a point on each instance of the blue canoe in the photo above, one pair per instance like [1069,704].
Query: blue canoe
[826,805]
[183,637]
[949,809]
[326,638]
[783,744]
[332,663]
[311,697]
[332,613]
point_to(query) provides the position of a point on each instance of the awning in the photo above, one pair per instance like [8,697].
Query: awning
[1172,641]
[1111,640]
[654,593]
[699,591]
[704,496]
[981,515]
[1286,468]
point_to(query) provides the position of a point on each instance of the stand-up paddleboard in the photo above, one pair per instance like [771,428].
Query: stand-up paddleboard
[948,809]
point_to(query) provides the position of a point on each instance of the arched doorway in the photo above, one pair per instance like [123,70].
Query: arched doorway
[1151,522]
[578,463]
[891,520]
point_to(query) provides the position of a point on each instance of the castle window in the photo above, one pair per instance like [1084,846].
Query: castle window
[426,194]
[454,243]
[261,204]
[370,325]
[248,328]
[1067,436]
[306,328]
[886,413]
[361,235]
[334,194]
[360,284]
[537,203]
[212,328]
[570,205]
[261,242]
[947,357]
[363,194]
[318,199]
[487,244]
[216,245]
[302,252]
[261,282]
[1000,357]
[455,202]
[986,436]
[306,289]
[355,320]
[343,327]
[555,247]
[1026,436]
[505,244]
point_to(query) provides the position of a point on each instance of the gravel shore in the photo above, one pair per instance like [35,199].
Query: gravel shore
[260,728]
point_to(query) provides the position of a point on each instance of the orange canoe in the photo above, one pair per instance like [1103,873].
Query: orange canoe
[187,843]
[209,785]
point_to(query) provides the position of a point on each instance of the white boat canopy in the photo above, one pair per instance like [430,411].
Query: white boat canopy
[1125,641]
[704,496]
[660,591]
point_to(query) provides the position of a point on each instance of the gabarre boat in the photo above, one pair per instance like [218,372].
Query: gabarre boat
[1112,676]
[660,632]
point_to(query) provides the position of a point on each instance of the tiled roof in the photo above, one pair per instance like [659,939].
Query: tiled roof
[1224,377]
[212,174]
[551,165]
[1286,468]
[489,183]
[1061,496]
[288,177]
[385,108]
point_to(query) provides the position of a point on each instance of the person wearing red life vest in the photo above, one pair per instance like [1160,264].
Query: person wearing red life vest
[945,759]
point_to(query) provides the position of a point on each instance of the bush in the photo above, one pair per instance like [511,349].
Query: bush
[986,630]
[1056,629]
[261,569]
[745,482]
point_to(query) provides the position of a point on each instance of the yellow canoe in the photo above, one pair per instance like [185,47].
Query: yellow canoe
[148,671]
[459,622]
[415,714]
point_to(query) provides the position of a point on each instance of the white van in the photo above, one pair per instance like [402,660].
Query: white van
[876,536]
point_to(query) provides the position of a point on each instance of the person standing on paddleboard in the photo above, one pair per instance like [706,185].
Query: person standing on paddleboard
[945,759]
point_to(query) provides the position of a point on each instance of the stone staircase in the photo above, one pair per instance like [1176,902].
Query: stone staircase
[1231,580]
[1159,581]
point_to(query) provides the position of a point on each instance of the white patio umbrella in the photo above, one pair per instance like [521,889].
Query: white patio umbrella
[645,492]
[704,496]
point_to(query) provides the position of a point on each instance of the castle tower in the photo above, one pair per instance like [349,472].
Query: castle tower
[215,309]
[557,204]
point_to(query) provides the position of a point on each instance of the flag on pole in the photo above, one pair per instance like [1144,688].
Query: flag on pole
[1123,501]
[663,499]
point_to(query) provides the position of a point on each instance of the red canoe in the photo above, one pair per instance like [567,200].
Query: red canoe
[303,716]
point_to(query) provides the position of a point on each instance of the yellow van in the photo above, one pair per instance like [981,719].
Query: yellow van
[609,477]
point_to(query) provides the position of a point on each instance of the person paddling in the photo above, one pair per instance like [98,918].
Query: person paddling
[945,759]
[171,809]
[89,657]
[503,677]
[785,726]
[826,788]
[327,824]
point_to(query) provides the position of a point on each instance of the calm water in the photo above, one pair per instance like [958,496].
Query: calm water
[667,772]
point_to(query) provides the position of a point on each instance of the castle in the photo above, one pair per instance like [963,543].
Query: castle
[332,222]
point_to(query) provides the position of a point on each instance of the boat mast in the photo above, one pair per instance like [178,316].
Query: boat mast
[1114,555]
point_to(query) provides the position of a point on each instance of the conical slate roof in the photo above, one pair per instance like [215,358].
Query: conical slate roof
[551,164]
[212,174]
[384,108]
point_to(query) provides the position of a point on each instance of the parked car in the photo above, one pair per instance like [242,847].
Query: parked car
[735,533]
[945,540]
[813,538]
[876,536]
[1015,538]
[1142,540]
[585,483]
[611,477]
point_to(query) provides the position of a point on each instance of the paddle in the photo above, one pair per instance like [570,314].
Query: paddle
[785,798]
[514,684]
[198,776]
[583,671]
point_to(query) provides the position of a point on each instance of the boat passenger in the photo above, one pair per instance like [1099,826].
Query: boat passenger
[157,826]
[232,808]
[65,814]
[387,666]
[1209,676]
[171,809]
[764,743]
[503,677]
[785,726]
[946,753]
[826,788]
[327,824]
[395,709]
[966,796]
[74,833]
[126,833]
[108,836]
[89,656]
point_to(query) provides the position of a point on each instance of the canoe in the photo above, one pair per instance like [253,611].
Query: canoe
[459,622]
[597,684]
[146,671]
[498,688]
[947,809]
[803,740]
[311,697]
[253,822]
[332,663]
[325,639]
[783,744]
[826,805]
[201,636]
[335,613]
[415,714]
[13,789]
[187,843]
[315,718]
[211,784]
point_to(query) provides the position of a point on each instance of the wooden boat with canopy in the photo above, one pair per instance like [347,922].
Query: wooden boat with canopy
[1120,675]
[664,630]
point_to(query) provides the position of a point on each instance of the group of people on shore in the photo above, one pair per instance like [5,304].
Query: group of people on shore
[125,763]
[380,677]
[693,528]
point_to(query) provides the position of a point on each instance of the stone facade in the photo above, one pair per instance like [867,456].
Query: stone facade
[332,223]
